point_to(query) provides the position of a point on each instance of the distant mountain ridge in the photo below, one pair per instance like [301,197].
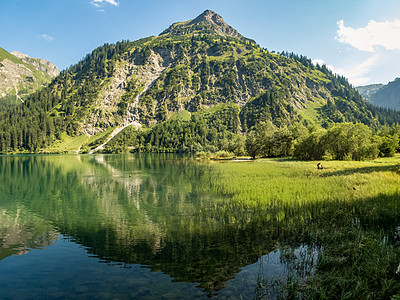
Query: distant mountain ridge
[381,95]
[368,90]
[21,75]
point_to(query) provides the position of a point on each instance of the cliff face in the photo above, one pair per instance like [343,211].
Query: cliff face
[367,90]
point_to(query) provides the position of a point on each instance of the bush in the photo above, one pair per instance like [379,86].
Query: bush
[223,154]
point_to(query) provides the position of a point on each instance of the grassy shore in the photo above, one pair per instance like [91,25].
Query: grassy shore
[347,212]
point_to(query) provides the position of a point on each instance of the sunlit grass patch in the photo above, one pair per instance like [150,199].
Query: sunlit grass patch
[267,181]
[67,144]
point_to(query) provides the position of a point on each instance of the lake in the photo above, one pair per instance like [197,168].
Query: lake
[131,226]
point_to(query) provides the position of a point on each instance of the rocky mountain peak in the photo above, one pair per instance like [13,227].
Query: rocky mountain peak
[21,74]
[19,55]
[210,17]
[208,21]
[39,63]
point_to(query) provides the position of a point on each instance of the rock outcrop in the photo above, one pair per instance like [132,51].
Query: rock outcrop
[40,63]
[21,75]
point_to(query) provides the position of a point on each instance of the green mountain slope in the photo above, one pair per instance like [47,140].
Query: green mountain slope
[190,68]
[21,75]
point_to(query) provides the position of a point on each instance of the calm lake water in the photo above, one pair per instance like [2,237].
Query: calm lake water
[130,226]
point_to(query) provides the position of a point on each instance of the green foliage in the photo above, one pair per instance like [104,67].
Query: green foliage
[252,147]
[9,101]
[346,141]
[210,130]
[66,144]
[388,145]
[27,84]
[343,141]
[351,141]
[132,90]
[61,107]
[313,146]
[5,55]
[272,141]
[273,105]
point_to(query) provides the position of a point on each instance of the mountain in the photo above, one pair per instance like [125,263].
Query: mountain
[40,64]
[20,75]
[387,96]
[207,22]
[367,90]
[201,75]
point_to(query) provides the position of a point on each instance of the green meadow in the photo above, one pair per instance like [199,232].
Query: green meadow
[345,215]
[283,181]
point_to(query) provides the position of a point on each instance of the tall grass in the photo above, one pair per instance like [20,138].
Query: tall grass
[346,212]
[266,182]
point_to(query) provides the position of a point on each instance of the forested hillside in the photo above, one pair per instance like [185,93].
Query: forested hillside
[191,69]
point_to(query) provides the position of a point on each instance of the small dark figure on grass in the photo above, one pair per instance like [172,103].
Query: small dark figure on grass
[320,166]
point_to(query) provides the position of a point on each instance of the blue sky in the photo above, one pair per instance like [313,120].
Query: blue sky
[359,39]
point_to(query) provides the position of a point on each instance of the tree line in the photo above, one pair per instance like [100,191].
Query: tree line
[219,130]
[344,141]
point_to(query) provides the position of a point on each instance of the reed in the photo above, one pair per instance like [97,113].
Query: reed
[347,213]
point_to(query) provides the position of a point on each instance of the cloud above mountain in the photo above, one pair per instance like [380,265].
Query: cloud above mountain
[373,35]
[373,47]
[358,72]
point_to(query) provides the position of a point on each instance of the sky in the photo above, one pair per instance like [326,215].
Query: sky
[359,39]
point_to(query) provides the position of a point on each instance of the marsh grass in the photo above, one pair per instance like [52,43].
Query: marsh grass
[348,212]
[277,182]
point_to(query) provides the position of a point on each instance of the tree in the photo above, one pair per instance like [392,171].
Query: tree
[351,141]
[251,145]
[313,146]
[283,142]
[387,145]
[265,138]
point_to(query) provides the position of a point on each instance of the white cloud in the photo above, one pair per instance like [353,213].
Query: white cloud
[317,62]
[357,74]
[330,67]
[375,34]
[99,3]
[45,37]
